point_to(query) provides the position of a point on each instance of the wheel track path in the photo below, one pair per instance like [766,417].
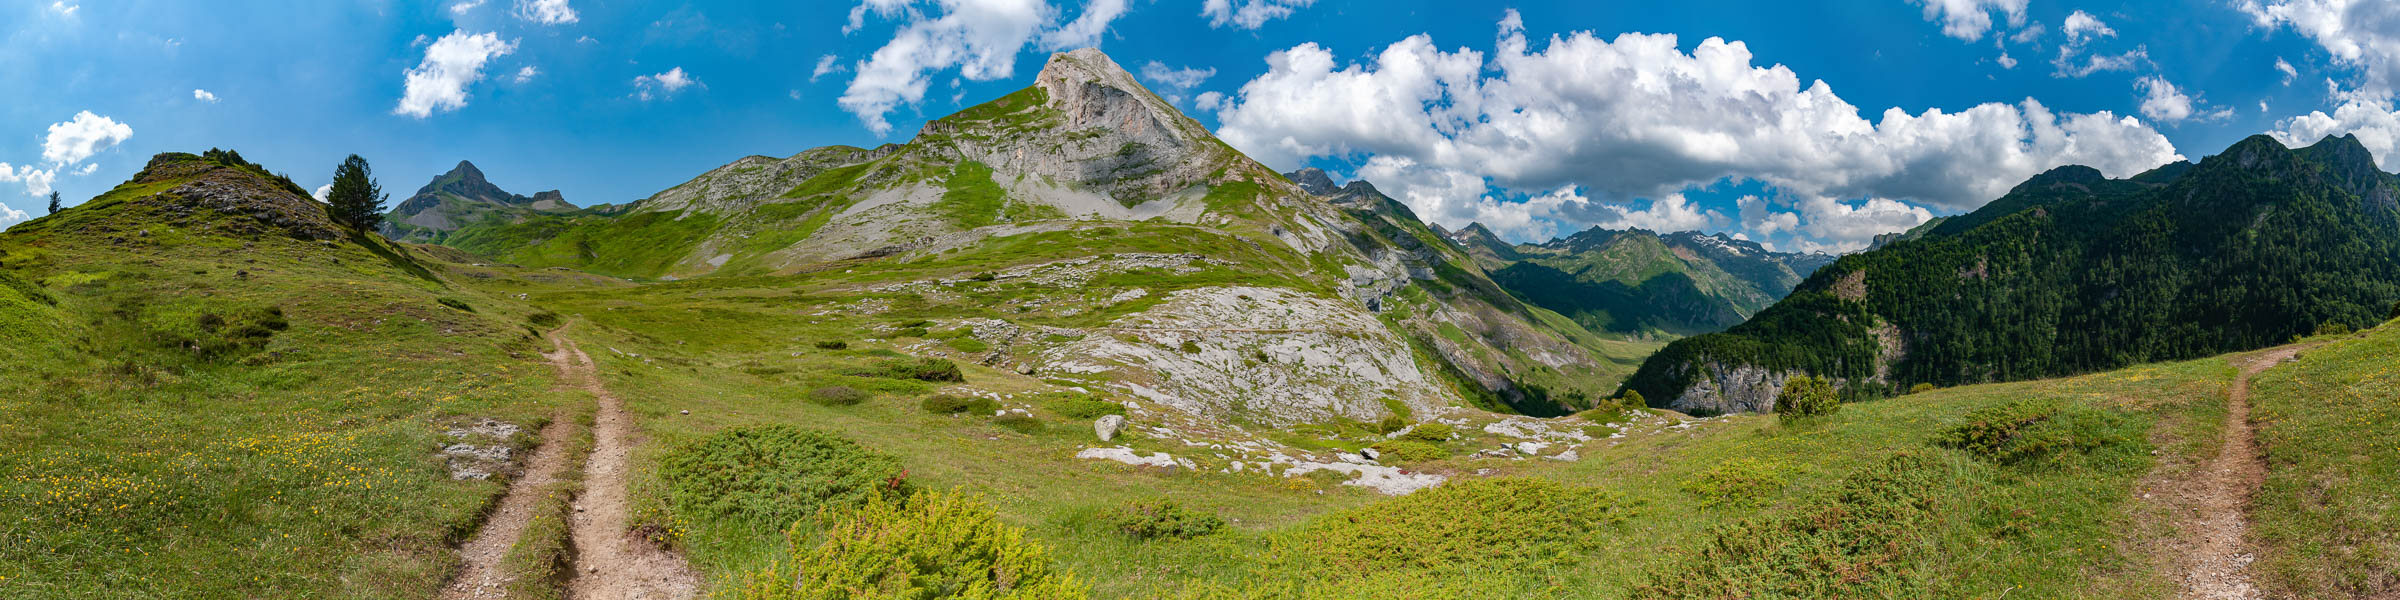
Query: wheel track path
[611,563]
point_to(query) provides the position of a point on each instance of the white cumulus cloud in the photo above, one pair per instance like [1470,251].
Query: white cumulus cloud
[1249,14]
[439,83]
[2081,29]
[826,65]
[546,12]
[204,96]
[36,181]
[980,38]
[1085,30]
[11,216]
[323,192]
[662,84]
[462,8]
[2289,73]
[1638,118]
[79,138]
[1969,19]
[2360,34]
[2163,102]
[527,74]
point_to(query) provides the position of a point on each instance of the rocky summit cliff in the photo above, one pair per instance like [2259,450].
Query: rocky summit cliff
[2074,272]
[1086,229]
[463,198]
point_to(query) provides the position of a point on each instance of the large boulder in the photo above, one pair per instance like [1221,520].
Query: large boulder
[1108,426]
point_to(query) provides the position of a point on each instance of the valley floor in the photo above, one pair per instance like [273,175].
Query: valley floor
[124,488]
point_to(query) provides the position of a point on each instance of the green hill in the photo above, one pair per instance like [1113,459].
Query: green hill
[2072,272]
[215,391]
[1640,282]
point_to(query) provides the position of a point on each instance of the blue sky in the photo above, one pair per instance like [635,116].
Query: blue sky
[1538,118]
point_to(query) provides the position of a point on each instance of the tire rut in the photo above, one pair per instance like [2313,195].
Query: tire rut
[480,576]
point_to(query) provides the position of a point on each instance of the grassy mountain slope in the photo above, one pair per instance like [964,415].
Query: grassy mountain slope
[1088,164]
[213,391]
[2072,272]
[2329,425]
[1640,282]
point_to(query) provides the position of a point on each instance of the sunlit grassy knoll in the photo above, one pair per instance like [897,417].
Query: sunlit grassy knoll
[200,409]
[2327,520]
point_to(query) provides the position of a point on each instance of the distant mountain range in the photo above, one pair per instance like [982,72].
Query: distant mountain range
[1641,282]
[462,198]
[2073,272]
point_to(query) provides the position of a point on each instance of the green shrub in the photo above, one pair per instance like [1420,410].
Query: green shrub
[2037,429]
[1632,401]
[1391,423]
[1163,519]
[1019,422]
[916,324]
[931,545]
[837,395]
[1190,347]
[455,303]
[1600,431]
[2396,310]
[1408,451]
[915,332]
[946,404]
[1864,542]
[1081,406]
[1475,525]
[968,344]
[832,345]
[1806,397]
[544,319]
[1740,483]
[1435,432]
[1921,388]
[921,369]
[773,475]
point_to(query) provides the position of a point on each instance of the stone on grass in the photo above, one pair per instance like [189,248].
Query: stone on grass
[1108,426]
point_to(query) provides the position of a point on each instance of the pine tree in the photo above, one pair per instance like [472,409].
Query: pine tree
[54,202]
[356,198]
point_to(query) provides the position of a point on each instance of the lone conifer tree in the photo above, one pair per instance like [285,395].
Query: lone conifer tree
[54,202]
[355,196]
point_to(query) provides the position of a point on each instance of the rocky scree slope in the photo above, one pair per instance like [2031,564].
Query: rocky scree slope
[2073,272]
[1102,219]
[463,198]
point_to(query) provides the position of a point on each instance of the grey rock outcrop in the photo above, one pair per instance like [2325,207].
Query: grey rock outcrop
[1108,426]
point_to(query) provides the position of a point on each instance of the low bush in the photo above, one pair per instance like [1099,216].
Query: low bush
[832,345]
[1739,483]
[1430,432]
[1189,347]
[2037,429]
[921,369]
[968,344]
[1806,397]
[1019,422]
[837,395]
[1408,451]
[1163,519]
[1600,431]
[1921,388]
[915,332]
[1391,423]
[773,475]
[930,545]
[1080,406]
[946,404]
[1476,525]
[544,319]
[455,303]
[1864,542]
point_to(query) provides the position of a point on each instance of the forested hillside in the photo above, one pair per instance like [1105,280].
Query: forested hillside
[2072,272]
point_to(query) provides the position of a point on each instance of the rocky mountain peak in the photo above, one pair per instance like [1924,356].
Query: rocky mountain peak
[1088,124]
[1313,180]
